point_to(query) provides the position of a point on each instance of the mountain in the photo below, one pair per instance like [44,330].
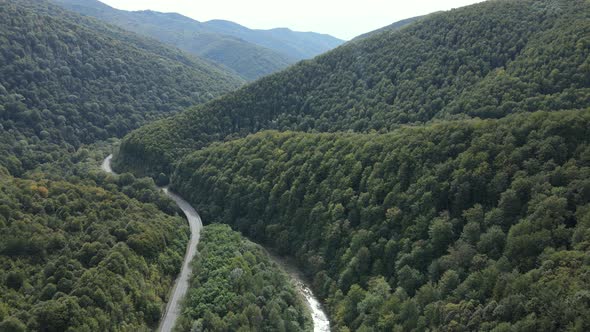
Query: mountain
[66,80]
[468,225]
[459,64]
[298,45]
[434,177]
[249,53]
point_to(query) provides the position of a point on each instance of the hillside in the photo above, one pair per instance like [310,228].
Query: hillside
[66,80]
[249,53]
[429,178]
[82,252]
[475,225]
[486,60]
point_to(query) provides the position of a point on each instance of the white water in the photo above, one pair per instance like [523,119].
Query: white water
[319,317]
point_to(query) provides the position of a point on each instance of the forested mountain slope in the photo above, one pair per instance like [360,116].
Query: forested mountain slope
[67,80]
[249,53]
[80,253]
[475,225]
[436,177]
[486,60]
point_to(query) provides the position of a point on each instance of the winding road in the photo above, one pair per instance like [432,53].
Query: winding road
[173,309]
[181,285]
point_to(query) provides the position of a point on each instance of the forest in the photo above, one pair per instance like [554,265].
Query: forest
[84,255]
[470,225]
[486,60]
[236,287]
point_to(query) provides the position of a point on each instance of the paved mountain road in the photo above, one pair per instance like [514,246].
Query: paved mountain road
[173,309]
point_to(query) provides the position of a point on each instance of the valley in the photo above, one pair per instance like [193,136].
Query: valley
[180,288]
[430,175]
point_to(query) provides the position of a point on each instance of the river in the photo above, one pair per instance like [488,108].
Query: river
[319,317]
[181,285]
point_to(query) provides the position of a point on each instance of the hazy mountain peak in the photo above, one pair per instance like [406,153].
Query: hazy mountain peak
[250,53]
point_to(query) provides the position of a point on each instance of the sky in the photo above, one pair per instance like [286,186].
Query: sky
[344,19]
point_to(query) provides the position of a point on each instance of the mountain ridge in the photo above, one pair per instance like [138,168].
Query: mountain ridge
[216,40]
[390,28]
[77,80]
[451,65]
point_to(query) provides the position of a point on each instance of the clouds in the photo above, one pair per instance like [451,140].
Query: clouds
[341,18]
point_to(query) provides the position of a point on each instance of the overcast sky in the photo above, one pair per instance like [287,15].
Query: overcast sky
[344,19]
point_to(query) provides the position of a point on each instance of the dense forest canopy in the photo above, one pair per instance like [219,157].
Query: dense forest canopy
[67,80]
[236,287]
[83,255]
[486,60]
[461,225]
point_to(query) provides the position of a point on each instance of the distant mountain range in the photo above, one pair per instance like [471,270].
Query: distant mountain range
[248,52]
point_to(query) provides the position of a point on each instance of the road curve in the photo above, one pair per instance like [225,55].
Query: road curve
[320,319]
[181,285]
